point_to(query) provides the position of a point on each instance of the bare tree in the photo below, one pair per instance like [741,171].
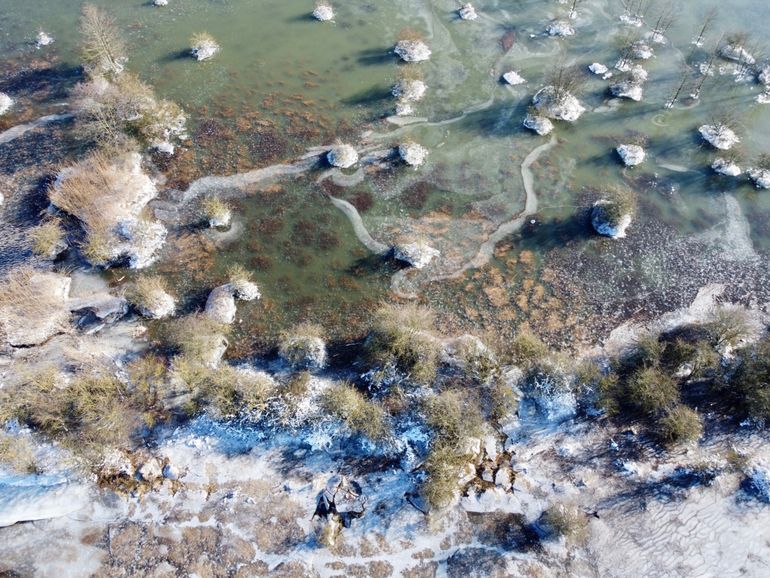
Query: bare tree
[724,124]
[710,17]
[566,80]
[573,9]
[680,88]
[102,47]
[706,70]
[635,9]
[626,46]
[665,19]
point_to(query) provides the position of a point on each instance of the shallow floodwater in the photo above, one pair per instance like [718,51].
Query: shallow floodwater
[283,83]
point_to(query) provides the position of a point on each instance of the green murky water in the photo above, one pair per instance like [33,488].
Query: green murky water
[309,82]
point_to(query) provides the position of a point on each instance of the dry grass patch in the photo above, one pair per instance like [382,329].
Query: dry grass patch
[443,466]
[126,110]
[90,191]
[17,454]
[303,346]
[454,418]
[23,298]
[87,412]
[32,305]
[453,415]
[228,391]
[527,349]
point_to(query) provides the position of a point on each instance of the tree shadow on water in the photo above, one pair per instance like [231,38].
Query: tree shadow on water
[57,80]
[548,233]
[176,55]
[500,119]
[370,96]
[376,57]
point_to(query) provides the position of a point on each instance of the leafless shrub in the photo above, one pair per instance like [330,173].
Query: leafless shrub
[125,109]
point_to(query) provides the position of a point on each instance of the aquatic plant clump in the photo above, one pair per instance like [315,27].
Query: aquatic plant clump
[342,156]
[727,167]
[534,121]
[760,173]
[412,50]
[418,254]
[513,78]
[242,282]
[412,154]
[323,11]
[560,29]
[631,154]
[467,12]
[556,102]
[409,89]
[203,46]
[719,135]
[304,347]
[43,39]
[150,294]
[612,215]
[216,212]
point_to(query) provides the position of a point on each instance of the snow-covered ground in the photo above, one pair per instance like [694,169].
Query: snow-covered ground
[246,503]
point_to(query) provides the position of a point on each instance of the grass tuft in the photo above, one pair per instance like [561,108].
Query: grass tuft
[651,391]
[196,336]
[402,335]
[680,424]
[48,238]
[215,209]
[360,414]
[145,291]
